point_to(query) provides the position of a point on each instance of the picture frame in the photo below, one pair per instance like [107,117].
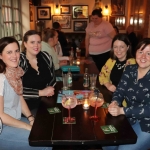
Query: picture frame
[65,9]
[43,13]
[80,12]
[63,20]
[118,7]
[80,25]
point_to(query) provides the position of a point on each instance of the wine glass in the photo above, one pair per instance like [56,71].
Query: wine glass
[96,100]
[69,102]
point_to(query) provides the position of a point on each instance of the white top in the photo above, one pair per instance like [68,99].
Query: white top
[12,104]
[58,50]
[46,47]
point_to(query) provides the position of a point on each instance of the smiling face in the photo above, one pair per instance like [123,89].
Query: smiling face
[33,45]
[120,50]
[10,55]
[143,57]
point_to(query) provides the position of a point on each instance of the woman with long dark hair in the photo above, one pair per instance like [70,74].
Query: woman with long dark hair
[16,129]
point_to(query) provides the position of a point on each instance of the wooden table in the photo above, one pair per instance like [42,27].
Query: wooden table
[48,129]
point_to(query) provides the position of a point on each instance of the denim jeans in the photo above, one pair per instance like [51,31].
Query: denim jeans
[17,139]
[143,141]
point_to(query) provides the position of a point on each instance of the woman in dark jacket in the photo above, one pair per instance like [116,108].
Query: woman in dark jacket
[39,76]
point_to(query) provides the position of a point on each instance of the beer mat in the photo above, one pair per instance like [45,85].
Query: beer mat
[72,68]
[53,110]
[105,105]
[108,129]
[65,120]
[78,93]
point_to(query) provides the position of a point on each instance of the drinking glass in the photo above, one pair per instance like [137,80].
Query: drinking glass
[69,102]
[93,78]
[78,53]
[65,81]
[96,100]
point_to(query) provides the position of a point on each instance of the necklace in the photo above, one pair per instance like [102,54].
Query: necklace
[120,65]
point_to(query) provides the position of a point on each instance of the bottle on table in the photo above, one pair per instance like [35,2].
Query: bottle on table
[69,76]
[86,78]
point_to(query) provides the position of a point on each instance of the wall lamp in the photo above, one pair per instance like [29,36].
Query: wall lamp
[137,20]
[120,22]
[56,9]
[106,11]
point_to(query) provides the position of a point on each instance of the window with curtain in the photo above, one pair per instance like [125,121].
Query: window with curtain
[10,19]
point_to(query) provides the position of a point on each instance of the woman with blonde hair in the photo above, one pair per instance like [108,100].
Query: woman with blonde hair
[50,40]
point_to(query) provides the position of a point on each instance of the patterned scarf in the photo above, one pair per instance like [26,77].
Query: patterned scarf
[13,76]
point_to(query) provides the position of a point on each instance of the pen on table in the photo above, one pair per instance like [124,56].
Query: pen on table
[54,84]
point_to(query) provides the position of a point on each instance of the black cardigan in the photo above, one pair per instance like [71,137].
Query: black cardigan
[29,92]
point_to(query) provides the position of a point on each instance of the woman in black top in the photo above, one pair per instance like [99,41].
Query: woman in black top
[120,56]
[39,76]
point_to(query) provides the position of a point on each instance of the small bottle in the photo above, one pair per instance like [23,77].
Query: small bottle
[86,78]
[69,76]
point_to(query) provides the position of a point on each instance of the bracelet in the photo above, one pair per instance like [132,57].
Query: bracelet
[30,116]
[31,120]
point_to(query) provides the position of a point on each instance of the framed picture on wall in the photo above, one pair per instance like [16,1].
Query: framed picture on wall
[80,25]
[80,12]
[64,20]
[118,7]
[43,13]
[65,9]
